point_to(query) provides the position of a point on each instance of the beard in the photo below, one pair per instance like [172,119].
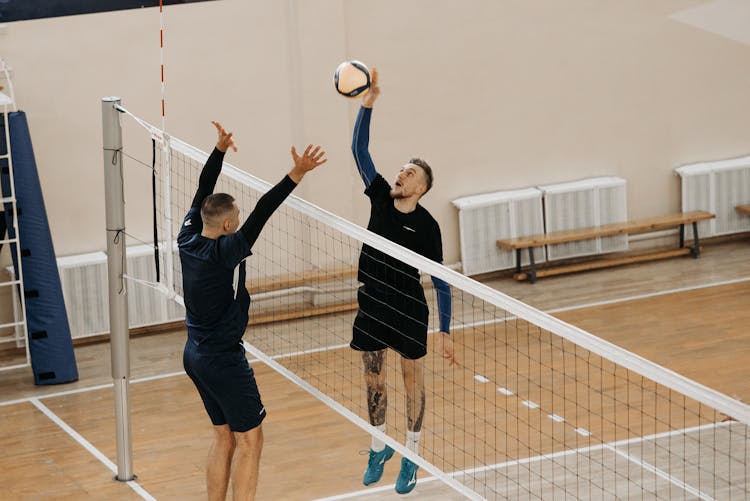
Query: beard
[397,194]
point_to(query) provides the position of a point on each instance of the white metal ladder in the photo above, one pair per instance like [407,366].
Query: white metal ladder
[8,104]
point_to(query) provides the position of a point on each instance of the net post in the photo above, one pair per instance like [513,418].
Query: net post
[118,305]
[167,201]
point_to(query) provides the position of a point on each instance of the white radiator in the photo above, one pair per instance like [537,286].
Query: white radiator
[583,204]
[717,187]
[84,284]
[484,219]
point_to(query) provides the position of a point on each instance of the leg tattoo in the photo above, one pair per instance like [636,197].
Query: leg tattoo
[415,410]
[413,373]
[375,380]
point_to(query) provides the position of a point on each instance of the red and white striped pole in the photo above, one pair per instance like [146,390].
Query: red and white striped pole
[166,166]
[161,56]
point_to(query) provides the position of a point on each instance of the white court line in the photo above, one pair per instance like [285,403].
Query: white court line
[89,447]
[87,389]
[35,399]
[661,473]
[649,295]
[533,459]
[57,394]
[364,425]
[640,462]
[152,378]
[602,303]
[307,352]
[339,346]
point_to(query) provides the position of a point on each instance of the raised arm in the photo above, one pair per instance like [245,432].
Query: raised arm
[212,169]
[361,139]
[269,202]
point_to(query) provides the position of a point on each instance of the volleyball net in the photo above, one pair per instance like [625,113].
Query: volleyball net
[538,409]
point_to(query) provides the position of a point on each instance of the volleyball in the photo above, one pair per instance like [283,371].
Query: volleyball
[352,78]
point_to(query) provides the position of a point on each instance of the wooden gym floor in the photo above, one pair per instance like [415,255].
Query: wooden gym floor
[688,315]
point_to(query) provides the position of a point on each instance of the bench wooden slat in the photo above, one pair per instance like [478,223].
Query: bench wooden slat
[605,263]
[283,314]
[288,281]
[630,227]
[743,209]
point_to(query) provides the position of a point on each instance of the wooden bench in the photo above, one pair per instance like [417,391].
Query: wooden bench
[743,209]
[288,281]
[631,227]
[308,278]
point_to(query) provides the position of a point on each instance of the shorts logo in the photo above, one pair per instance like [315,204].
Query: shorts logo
[262,411]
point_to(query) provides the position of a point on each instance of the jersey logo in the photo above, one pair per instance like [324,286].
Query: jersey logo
[236,279]
[188,222]
[410,229]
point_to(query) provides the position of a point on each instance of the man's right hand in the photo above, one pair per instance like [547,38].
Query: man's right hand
[369,98]
[225,140]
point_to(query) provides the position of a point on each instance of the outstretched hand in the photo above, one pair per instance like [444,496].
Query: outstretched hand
[309,160]
[225,140]
[447,349]
[369,98]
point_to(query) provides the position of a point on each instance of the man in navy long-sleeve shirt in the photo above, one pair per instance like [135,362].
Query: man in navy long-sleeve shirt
[213,252]
[392,306]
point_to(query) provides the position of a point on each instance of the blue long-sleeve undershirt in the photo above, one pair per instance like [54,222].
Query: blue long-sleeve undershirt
[366,168]
[443,291]
[360,143]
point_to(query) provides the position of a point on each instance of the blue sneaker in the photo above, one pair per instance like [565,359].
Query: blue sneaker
[407,477]
[375,465]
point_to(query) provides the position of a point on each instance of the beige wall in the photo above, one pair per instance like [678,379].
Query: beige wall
[495,94]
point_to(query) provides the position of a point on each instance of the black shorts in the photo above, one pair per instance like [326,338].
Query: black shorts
[391,320]
[226,384]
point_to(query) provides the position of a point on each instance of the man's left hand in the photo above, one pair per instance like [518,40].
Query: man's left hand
[225,140]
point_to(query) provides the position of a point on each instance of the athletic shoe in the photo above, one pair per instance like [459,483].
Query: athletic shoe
[375,465]
[407,478]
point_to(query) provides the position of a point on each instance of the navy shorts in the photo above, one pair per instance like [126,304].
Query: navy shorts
[226,384]
[391,320]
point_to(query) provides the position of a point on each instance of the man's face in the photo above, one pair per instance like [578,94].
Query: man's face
[409,182]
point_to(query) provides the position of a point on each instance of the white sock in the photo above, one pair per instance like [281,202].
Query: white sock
[377,444]
[412,441]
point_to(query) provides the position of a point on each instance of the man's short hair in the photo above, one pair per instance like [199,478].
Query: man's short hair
[427,171]
[215,206]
